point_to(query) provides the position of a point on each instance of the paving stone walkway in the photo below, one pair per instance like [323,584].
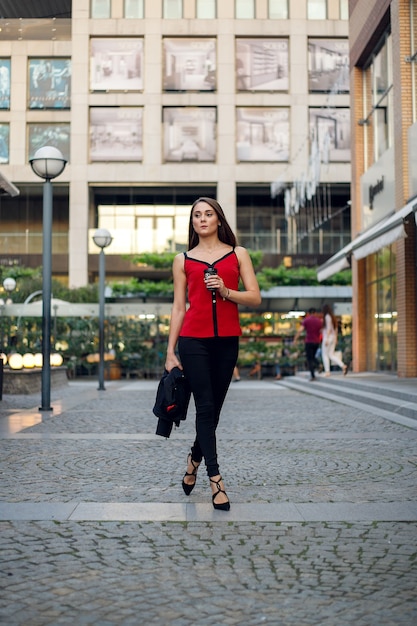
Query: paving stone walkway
[95,528]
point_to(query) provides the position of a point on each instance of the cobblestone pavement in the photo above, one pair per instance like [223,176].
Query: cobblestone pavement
[95,528]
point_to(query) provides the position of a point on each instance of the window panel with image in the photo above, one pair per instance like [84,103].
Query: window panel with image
[4,83]
[115,134]
[330,128]
[261,64]
[4,143]
[56,135]
[328,65]
[116,64]
[189,134]
[263,134]
[49,83]
[189,64]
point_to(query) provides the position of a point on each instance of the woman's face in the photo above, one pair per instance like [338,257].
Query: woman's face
[204,219]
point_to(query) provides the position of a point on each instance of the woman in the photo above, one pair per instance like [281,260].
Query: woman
[208,332]
[329,340]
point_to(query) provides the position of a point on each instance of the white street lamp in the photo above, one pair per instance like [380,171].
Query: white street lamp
[102,238]
[47,163]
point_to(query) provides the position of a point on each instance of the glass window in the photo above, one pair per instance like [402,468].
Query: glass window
[413,49]
[173,9]
[316,9]
[100,8]
[278,9]
[133,9]
[378,110]
[206,9]
[245,9]
[344,9]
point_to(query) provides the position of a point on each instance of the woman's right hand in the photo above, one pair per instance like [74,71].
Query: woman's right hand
[171,362]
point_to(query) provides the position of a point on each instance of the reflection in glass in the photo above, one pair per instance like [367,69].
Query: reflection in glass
[146,228]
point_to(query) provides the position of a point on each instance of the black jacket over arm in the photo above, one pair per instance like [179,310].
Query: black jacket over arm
[172,399]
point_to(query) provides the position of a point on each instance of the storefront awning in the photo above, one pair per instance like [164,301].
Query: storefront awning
[383,234]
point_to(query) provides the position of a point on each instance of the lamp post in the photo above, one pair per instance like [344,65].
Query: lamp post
[47,163]
[102,239]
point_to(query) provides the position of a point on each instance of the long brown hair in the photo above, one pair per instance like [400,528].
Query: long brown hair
[328,311]
[226,235]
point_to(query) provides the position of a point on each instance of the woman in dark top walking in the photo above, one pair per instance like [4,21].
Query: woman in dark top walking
[208,331]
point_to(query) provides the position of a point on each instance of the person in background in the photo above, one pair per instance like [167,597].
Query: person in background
[208,331]
[236,375]
[329,341]
[312,326]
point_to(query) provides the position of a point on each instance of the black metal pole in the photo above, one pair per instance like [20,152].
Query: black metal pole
[102,271]
[46,296]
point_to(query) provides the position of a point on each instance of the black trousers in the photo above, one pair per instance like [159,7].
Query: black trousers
[208,366]
[311,350]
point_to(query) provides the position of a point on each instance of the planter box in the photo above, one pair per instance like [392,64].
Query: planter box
[22,382]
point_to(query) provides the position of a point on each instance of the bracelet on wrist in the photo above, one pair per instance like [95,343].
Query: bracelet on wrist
[227,295]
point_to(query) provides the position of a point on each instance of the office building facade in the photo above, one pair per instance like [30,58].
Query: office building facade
[157,102]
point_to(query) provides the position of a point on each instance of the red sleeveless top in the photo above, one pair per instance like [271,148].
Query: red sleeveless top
[208,314]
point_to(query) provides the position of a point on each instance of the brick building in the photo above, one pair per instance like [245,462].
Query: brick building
[383,67]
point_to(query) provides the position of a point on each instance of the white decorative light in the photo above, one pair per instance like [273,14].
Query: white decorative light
[28,360]
[38,359]
[56,359]
[48,162]
[15,361]
[102,238]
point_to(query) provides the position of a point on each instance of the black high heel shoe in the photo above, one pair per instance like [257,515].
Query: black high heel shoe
[224,506]
[188,488]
